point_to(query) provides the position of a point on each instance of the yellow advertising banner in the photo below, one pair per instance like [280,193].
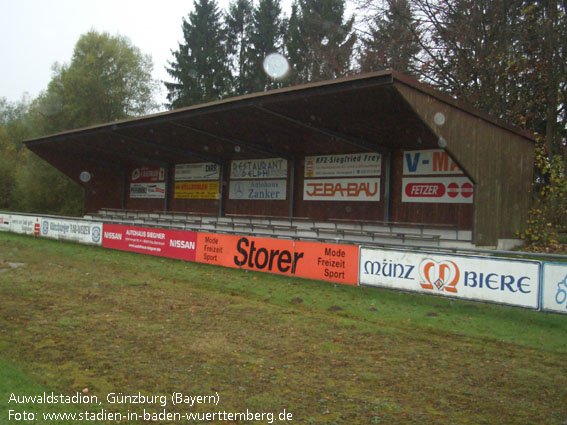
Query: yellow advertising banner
[197,190]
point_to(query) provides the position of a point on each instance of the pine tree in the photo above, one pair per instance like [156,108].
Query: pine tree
[266,37]
[238,23]
[392,42]
[200,68]
[319,41]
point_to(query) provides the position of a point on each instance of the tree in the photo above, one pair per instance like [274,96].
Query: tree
[200,67]
[266,37]
[238,23]
[319,42]
[108,79]
[392,40]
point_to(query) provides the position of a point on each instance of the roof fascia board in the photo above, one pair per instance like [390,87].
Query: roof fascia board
[353,141]
[206,158]
[251,146]
[328,87]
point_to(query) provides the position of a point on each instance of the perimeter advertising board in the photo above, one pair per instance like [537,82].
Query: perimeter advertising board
[4,222]
[177,244]
[26,224]
[86,232]
[497,280]
[335,263]
[554,292]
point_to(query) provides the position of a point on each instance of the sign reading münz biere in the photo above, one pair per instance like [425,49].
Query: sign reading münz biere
[498,280]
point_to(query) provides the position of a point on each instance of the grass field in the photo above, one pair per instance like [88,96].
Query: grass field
[83,319]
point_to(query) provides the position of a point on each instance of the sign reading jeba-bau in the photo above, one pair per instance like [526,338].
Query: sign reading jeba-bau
[360,189]
[498,280]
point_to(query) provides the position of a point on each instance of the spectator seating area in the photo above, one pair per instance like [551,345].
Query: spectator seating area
[334,230]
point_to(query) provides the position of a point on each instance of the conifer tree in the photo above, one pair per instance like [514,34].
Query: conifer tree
[266,37]
[200,67]
[392,41]
[238,23]
[320,42]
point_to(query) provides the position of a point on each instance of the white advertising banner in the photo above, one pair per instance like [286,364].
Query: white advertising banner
[197,171]
[554,292]
[362,189]
[497,280]
[426,162]
[147,190]
[445,190]
[73,230]
[263,190]
[270,168]
[349,165]
[25,224]
[4,222]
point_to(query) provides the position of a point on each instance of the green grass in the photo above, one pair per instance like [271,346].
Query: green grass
[75,317]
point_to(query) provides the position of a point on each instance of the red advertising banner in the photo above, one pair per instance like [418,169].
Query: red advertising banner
[177,244]
[330,262]
[312,260]
[147,174]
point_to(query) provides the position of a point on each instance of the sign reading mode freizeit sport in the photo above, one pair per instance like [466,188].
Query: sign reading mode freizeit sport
[498,280]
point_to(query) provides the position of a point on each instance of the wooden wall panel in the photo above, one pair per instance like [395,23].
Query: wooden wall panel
[459,215]
[498,160]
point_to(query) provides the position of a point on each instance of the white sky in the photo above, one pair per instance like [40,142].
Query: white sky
[34,34]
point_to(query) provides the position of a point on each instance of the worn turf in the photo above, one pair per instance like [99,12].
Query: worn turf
[83,319]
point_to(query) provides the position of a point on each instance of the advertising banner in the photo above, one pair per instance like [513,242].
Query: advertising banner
[554,292]
[270,168]
[362,189]
[197,171]
[445,190]
[275,190]
[425,162]
[349,165]
[147,174]
[497,280]
[147,190]
[26,224]
[335,263]
[197,190]
[4,222]
[177,244]
[72,230]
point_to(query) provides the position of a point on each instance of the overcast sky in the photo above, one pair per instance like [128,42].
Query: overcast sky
[34,34]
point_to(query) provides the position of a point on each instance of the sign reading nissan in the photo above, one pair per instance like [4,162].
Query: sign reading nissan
[498,280]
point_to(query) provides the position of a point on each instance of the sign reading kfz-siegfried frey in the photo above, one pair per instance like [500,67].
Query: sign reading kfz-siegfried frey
[498,280]
[349,165]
